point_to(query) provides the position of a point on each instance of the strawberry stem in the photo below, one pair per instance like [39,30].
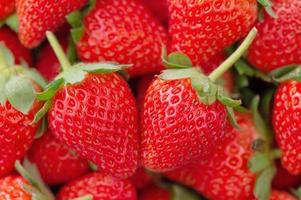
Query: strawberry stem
[59,52]
[227,64]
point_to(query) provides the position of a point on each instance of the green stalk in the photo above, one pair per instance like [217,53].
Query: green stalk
[227,64]
[58,50]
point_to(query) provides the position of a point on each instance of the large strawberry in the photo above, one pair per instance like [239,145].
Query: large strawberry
[33,22]
[279,39]
[55,162]
[123,31]
[17,109]
[93,112]
[183,118]
[12,187]
[7,7]
[201,29]
[10,40]
[100,187]
[158,8]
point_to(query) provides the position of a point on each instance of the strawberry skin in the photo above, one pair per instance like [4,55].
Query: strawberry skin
[55,162]
[141,179]
[10,40]
[98,119]
[100,186]
[7,7]
[201,29]
[226,175]
[33,23]
[158,8]
[278,41]
[279,195]
[123,31]
[286,123]
[11,188]
[176,127]
[155,193]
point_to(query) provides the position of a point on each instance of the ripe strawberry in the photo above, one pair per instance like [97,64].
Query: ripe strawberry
[155,193]
[33,23]
[100,187]
[11,188]
[93,112]
[7,7]
[226,174]
[141,179]
[286,124]
[201,29]
[125,32]
[10,40]
[55,162]
[278,195]
[279,39]
[158,8]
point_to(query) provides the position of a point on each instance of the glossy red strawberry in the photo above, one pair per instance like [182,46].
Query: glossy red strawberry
[279,39]
[123,31]
[10,40]
[226,174]
[33,22]
[7,7]
[158,8]
[155,193]
[201,29]
[286,123]
[55,162]
[11,188]
[100,186]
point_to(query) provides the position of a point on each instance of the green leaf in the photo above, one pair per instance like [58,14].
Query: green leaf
[259,161]
[3,98]
[74,19]
[262,188]
[232,118]
[175,74]
[34,75]
[42,128]
[8,55]
[20,93]
[181,193]
[286,73]
[50,90]
[228,101]
[265,3]
[243,68]
[104,67]
[13,22]
[77,33]
[42,112]
[86,197]
[73,75]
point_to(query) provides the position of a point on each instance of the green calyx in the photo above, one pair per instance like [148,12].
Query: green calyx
[286,73]
[17,82]
[12,22]
[37,188]
[267,5]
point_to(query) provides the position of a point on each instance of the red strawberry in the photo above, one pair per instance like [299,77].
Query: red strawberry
[33,23]
[158,8]
[155,193]
[55,162]
[201,29]
[11,188]
[286,123]
[10,40]
[123,31]
[278,195]
[279,39]
[141,179]
[100,186]
[7,7]
[226,174]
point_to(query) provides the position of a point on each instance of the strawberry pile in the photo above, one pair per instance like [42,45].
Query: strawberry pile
[150,99]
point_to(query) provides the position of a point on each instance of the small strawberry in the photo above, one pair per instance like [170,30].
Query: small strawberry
[141,179]
[158,8]
[201,29]
[183,116]
[279,39]
[55,162]
[17,109]
[92,111]
[7,7]
[33,23]
[123,31]
[12,188]
[10,40]
[100,187]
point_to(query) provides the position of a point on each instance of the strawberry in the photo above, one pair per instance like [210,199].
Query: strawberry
[286,124]
[159,9]
[141,179]
[100,187]
[278,195]
[184,114]
[221,177]
[17,109]
[55,162]
[155,193]
[123,31]
[201,29]
[92,111]
[11,188]
[7,7]
[279,39]
[33,23]
[10,40]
